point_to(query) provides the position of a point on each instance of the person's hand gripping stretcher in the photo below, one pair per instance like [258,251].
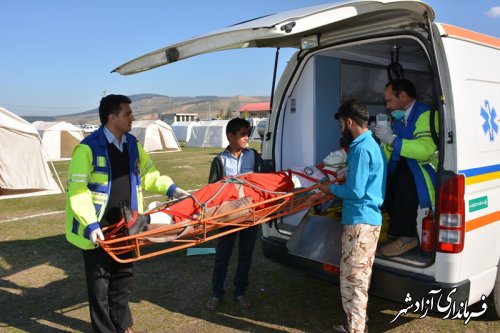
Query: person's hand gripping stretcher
[232,194]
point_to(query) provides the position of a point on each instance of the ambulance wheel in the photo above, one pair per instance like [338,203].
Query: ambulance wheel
[495,296]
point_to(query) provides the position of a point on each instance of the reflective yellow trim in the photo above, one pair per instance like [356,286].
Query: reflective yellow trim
[78,178]
[149,164]
[76,181]
[101,161]
[99,178]
[482,178]
[140,199]
[99,198]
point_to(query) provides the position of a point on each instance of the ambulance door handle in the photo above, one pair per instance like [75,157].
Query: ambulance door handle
[288,27]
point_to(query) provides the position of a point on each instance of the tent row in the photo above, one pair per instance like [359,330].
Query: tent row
[60,138]
[210,133]
[206,133]
[26,150]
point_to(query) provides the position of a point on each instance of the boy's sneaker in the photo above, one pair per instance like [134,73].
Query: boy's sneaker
[212,303]
[243,301]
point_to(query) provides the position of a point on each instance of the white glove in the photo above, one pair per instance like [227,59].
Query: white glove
[179,193]
[384,134]
[94,235]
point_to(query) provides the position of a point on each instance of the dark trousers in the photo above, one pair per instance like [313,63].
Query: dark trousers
[223,254]
[109,286]
[402,204]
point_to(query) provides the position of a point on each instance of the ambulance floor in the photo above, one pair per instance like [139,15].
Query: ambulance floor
[413,257]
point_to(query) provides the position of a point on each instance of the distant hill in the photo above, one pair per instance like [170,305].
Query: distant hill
[153,106]
[31,119]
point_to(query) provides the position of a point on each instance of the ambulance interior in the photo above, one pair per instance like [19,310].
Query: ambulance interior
[306,131]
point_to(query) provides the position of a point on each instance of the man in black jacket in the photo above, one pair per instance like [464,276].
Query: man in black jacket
[234,160]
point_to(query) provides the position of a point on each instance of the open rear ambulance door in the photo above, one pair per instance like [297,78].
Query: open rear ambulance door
[328,22]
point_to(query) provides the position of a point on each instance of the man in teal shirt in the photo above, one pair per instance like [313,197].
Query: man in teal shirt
[362,195]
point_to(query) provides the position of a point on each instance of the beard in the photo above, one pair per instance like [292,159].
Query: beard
[347,137]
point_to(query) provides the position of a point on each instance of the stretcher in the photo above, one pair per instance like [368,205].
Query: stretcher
[126,249]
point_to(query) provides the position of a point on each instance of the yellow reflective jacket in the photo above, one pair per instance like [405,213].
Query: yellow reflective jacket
[414,142]
[89,186]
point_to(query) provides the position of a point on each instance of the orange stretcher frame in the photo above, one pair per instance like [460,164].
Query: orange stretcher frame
[126,249]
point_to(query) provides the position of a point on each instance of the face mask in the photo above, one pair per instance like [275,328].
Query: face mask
[398,114]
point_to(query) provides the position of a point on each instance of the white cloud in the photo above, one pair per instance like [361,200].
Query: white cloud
[493,12]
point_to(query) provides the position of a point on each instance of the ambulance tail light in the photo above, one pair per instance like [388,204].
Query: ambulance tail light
[335,270]
[451,208]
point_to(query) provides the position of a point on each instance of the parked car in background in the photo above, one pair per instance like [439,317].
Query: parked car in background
[88,128]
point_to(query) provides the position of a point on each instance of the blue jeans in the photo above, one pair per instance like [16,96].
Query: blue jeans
[223,253]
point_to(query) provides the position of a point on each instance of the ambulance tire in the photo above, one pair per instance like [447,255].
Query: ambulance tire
[495,296]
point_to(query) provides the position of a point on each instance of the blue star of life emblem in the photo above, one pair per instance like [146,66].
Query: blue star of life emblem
[490,127]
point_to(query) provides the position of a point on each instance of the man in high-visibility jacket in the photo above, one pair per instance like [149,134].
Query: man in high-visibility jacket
[411,155]
[108,168]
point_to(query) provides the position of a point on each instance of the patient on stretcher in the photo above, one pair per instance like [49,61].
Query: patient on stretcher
[232,194]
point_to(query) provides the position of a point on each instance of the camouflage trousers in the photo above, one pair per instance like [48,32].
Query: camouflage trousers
[359,243]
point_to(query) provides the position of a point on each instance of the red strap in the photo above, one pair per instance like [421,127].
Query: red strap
[115,229]
[132,221]
[300,174]
[327,172]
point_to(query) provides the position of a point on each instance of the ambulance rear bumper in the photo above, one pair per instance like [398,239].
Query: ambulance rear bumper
[389,283]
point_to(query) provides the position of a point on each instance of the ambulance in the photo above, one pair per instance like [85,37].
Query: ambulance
[350,50]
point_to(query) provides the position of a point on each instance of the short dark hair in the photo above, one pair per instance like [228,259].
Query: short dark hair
[356,110]
[399,85]
[235,124]
[111,105]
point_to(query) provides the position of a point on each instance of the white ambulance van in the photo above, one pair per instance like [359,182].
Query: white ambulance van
[346,50]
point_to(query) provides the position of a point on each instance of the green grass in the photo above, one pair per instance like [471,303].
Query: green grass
[42,287]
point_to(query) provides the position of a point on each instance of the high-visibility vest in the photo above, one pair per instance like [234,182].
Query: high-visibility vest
[89,184]
[414,142]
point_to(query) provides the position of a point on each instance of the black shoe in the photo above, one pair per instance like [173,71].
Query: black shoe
[134,222]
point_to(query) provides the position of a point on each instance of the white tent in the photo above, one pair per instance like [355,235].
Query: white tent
[155,135]
[254,122]
[59,138]
[24,169]
[182,129]
[209,134]
[254,136]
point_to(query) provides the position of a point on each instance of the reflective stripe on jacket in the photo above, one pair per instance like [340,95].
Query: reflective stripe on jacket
[89,186]
[414,142]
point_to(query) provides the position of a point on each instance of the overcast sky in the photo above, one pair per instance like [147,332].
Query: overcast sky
[56,55]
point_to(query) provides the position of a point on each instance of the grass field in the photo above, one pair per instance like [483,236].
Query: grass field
[42,286]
